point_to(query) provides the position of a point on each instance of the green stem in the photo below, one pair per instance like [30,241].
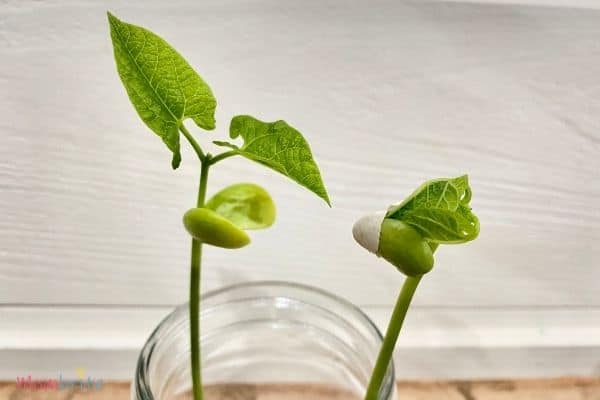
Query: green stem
[196,260]
[192,141]
[391,336]
[223,156]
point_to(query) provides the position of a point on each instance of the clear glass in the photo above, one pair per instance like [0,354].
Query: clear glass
[265,335]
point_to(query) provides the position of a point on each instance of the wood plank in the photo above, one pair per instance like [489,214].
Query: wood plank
[436,343]
[110,328]
[548,389]
[91,210]
[556,389]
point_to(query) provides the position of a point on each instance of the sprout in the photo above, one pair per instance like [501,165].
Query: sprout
[165,91]
[406,236]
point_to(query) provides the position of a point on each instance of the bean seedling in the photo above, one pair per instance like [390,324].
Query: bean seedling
[407,235]
[165,90]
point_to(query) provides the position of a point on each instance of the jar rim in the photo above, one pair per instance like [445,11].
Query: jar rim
[140,385]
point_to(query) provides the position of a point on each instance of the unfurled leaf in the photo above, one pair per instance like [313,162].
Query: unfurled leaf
[280,147]
[245,204]
[440,211]
[445,193]
[162,86]
[443,226]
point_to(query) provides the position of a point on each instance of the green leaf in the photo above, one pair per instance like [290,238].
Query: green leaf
[162,86]
[444,193]
[440,211]
[444,226]
[247,205]
[279,147]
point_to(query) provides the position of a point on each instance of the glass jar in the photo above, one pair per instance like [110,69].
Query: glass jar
[267,336]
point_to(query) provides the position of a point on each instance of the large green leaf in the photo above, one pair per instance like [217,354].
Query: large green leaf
[439,209]
[279,147]
[162,86]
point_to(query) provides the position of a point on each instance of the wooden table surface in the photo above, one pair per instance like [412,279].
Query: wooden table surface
[554,389]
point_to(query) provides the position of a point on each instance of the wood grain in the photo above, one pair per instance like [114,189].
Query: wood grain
[388,94]
[556,389]
[91,210]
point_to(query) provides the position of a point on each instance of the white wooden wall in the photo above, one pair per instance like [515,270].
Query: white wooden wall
[389,94]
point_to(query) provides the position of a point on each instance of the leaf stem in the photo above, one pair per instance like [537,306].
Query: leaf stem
[192,141]
[196,261]
[391,336]
[222,156]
